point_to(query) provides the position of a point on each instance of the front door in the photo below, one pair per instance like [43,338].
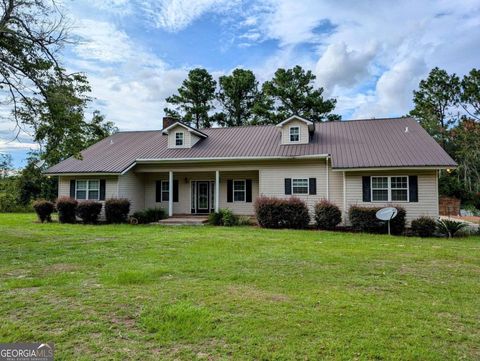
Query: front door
[203,197]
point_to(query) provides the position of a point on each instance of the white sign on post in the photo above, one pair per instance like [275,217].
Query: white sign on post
[387,214]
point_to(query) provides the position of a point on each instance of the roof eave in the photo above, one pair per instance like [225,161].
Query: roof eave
[413,167]
[190,129]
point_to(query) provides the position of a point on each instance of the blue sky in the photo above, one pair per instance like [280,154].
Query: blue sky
[369,55]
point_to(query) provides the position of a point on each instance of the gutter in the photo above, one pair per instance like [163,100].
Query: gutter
[366,169]
[80,174]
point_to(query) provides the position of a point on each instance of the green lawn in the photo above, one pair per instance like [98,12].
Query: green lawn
[186,293]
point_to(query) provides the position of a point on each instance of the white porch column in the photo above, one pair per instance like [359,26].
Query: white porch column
[345,213]
[170,193]
[217,190]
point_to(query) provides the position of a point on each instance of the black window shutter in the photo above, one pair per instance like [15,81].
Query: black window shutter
[366,189]
[413,188]
[288,185]
[229,190]
[175,190]
[158,191]
[312,186]
[248,189]
[102,189]
[72,188]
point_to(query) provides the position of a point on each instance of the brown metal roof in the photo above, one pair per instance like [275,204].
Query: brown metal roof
[352,144]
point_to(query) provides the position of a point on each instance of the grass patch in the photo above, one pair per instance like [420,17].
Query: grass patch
[241,293]
[179,321]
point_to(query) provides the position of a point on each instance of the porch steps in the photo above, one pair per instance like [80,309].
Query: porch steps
[184,221]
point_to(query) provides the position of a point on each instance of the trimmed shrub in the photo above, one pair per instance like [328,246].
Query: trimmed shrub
[148,215]
[66,208]
[281,213]
[116,210]
[215,218]
[424,227]
[224,217]
[449,228]
[89,211]
[44,210]
[244,221]
[364,219]
[327,215]
[228,218]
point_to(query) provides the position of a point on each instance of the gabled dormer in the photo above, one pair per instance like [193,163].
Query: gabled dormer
[181,135]
[296,130]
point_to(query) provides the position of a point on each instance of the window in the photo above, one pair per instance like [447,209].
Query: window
[390,189]
[300,186]
[379,189]
[239,190]
[87,189]
[165,188]
[179,139]
[294,134]
[399,187]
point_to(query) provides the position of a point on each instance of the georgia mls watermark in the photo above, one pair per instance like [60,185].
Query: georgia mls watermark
[33,351]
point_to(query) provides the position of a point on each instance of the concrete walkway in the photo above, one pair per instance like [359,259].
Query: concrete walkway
[184,221]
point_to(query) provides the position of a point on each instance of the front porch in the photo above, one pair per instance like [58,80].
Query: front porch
[189,192]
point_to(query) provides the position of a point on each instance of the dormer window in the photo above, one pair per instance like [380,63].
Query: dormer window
[296,130]
[294,134]
[179,139]
[181,135]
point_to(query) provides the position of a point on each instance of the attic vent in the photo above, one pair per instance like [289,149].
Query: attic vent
[406,129]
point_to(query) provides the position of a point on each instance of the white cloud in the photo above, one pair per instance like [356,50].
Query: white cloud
[393,92]
[175,15]
[6,145]
[104,42]
[371,55]
[339,66]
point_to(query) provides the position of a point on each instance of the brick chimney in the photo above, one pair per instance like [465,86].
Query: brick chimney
[168,121]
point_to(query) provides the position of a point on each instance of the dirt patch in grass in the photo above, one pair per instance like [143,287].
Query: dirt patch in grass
[255,294]
[61,267]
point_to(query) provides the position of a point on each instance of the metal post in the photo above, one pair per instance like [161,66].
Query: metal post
[217,190]
[170,193]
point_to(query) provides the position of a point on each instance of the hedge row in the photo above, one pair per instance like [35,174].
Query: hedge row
[116,210]
[364,219]
[281,213]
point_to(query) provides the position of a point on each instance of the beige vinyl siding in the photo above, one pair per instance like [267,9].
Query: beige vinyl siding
[335,181]
[427,204]
[304,136]
[272,179]
[110,187]
[131,186]
[189,139]
[241,208]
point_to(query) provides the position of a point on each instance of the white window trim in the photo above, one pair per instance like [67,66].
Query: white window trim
[182,138]
[290,134]
[308,187]
[162,191]
[244,190]
[87,189]
[390,188]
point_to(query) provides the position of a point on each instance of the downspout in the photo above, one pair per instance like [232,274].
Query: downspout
[328,179]
[344,199]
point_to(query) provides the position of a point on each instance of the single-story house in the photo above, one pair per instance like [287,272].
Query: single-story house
[375,162]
